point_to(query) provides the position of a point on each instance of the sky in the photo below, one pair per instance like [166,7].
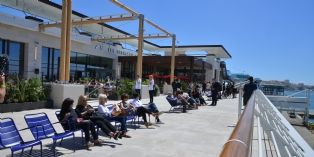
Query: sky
[269,39]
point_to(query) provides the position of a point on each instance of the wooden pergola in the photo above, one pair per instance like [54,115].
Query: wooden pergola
[67,23]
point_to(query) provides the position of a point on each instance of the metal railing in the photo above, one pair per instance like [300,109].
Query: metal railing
[271,127]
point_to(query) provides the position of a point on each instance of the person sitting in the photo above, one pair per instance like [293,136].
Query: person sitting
[135,107]
[185,98]
[151,107]
[86,112]
[104,112]
[70,120]
[173,98]
[198,97]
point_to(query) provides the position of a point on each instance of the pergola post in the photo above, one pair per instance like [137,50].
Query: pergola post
[140,46]
[68,41]
[173,55]
[63,41]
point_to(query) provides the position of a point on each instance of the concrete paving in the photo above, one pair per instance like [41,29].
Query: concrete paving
[199,133]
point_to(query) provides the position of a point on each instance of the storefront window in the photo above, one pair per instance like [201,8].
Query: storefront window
[15,52]
[81,66]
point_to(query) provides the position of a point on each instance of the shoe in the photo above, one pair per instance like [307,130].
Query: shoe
[147,125]
[88,145]
[97,143]
[116,135]
[126,136]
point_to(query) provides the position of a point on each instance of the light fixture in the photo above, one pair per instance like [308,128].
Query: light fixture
[36,51]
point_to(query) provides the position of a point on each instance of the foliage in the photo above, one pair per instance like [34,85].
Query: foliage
[184,86]
[126,86]
[20,90]
[156,90]
[145,82]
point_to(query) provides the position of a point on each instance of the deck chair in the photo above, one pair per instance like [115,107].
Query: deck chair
[174,104]
[42,128]
[11,138]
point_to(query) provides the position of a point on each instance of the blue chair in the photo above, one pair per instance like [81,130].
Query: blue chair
[11,138]
[174,104]
[70,127]
[42,128]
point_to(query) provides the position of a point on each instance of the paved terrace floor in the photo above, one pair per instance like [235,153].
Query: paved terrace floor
[199,133]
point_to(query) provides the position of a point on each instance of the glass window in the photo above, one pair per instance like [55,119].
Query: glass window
[45,63]
[16,58]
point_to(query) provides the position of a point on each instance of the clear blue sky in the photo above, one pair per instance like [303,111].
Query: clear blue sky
[269,39]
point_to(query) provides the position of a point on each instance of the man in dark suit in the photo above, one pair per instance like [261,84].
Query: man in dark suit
[248,90]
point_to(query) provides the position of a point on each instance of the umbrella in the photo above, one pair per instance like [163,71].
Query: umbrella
[183,78]
[154,75]
[168,76]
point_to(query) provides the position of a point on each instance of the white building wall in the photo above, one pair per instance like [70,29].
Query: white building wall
[26,31]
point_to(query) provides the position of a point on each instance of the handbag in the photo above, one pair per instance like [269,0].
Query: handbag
[119,111]
[116,110]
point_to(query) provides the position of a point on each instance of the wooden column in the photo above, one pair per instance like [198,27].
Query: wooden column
[63,41]
[68,41]
[173,55]
[140,46]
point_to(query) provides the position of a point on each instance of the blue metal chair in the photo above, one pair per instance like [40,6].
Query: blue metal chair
[11,138]
[42,128]
[70,128]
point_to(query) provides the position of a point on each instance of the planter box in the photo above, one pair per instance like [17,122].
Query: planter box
[16,107]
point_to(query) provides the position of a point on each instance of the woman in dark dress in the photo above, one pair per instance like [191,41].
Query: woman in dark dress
[70,120]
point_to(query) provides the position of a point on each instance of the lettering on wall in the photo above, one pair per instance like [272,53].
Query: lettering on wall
[112,50]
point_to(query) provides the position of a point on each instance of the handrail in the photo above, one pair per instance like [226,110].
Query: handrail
[239,142]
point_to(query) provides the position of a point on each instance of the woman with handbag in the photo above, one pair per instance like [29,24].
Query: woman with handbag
[69,121]
[87,112]
[104,112]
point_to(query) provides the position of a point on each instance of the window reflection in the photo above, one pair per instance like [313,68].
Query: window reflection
[81,66]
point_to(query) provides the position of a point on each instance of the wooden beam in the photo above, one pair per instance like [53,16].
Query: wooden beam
[91,21]
[131,37]
[134,12]
[68,41]
[140,46]
[173,55]
[63,41]
[124,7]
[156,26]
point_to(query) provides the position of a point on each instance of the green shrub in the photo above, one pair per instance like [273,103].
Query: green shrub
[20,90]
[126,86]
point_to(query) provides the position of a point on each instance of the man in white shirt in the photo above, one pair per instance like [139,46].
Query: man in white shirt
[151,88]
[138,85]
[141,110]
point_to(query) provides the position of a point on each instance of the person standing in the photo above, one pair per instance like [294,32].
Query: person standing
[215,91]
[248,90]
[2,88]
[151,88]
[174,86]
[138,85]
[204,85]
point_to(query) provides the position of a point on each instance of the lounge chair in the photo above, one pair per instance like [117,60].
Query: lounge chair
[42,128]
[11,138]
[174,104]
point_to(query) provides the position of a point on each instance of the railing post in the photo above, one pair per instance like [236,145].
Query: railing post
[259,132]
[240,102]
[306,116]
